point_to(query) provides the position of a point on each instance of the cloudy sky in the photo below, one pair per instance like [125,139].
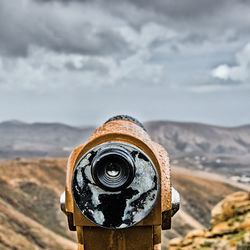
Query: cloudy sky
[82,61]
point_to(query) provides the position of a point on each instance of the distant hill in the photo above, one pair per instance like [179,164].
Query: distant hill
[20,139]
[184,138]
[221,149]
[192,144]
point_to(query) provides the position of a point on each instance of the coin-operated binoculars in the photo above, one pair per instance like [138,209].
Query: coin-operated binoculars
[118,192]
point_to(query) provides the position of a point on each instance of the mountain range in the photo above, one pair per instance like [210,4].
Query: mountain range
[210,148]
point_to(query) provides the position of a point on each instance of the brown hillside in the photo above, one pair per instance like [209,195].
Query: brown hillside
[199,195]
[29,204]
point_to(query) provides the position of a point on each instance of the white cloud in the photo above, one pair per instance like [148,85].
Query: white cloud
[222,72]
[74,28]
[240,72]
[43,70]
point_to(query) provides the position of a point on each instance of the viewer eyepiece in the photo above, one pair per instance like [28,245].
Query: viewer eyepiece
[113,169]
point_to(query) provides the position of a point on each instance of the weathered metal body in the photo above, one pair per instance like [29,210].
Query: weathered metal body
[136,234]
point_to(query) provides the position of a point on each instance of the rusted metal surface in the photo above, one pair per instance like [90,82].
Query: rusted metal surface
[134,238]
[156,235]
[166,194]
[145,234]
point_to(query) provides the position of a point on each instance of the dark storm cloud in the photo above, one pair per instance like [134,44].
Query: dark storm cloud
[189,14]
[21,28]
[209,18]
[179,11]
[189,9]
[40,23]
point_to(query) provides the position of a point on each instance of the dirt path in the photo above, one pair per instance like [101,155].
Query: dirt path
[209,176]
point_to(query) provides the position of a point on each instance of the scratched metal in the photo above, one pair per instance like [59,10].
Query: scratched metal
[120,209]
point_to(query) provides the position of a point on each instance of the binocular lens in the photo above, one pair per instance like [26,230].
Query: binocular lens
[113,169]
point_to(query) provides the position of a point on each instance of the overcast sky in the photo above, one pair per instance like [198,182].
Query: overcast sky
[82,61]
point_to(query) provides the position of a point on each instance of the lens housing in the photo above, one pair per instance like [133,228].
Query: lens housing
[113,169]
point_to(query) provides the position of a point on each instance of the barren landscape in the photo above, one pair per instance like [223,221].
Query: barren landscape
[30,212]
[224,150]
[31,186]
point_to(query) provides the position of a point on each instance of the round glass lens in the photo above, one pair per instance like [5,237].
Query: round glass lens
[113,170]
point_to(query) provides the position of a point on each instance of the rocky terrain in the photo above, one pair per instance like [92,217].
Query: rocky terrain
[199,194]
[230,227]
